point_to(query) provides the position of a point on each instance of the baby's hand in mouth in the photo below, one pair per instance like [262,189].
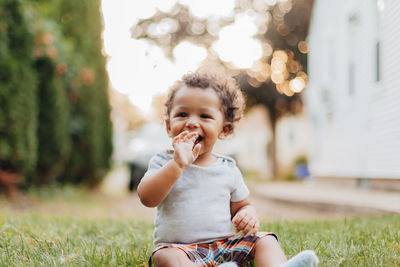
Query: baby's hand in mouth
[186,148]
[198,139]
[192,137]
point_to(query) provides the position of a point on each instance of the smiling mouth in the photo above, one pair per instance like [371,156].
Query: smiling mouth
[198,140]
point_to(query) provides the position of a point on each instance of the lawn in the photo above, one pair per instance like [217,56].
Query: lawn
[35,237]
[33,240]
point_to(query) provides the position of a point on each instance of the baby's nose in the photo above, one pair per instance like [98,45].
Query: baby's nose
[192,122]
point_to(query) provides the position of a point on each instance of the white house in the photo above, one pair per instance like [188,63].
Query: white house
[292,140]
[353,96]
[248,144]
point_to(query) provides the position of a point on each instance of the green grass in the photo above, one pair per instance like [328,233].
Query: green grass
[66,193]
[31,234]
[45,240]
[36,240]
[349,242]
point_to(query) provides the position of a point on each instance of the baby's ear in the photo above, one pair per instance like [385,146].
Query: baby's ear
[226,130]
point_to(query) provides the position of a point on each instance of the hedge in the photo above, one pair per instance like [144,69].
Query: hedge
[54,140]
[18,92]
[54,111]
[81,24]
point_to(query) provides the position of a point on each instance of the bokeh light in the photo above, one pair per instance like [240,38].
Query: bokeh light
[297,84]
[233,38]
[277,76]
[303,47]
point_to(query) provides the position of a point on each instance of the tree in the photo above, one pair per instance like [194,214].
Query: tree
[277,79]
[54,140]
[125,116]
[54,110]
[50,63]
[74,133]
[18,106]
[91,129]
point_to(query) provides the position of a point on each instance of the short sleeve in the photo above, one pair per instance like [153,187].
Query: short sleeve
[156,162]
[240,190]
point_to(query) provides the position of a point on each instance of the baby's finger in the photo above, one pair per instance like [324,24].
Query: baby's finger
[191,137]
[249,227]
[243,223]
[187,137]
[255,229]
[175,139]
[196,150]
[183,134]
[237,219]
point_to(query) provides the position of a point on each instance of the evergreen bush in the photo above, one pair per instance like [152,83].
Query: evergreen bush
[54,110]
[18,101]
[53,131]
[81,24]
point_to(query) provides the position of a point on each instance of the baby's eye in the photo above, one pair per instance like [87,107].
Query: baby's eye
[181,114]
[205,116]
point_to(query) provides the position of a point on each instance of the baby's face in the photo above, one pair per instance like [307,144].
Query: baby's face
[197,110]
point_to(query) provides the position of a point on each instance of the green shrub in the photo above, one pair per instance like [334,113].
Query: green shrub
[18,102]
[75,28]
[54,110]
[81,25]
[53,131]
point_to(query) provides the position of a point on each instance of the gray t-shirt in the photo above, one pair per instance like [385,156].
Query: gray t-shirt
[197,209]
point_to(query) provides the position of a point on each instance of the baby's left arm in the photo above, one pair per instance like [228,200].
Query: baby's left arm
[244,217]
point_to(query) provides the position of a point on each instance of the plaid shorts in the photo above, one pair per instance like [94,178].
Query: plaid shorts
[235,248]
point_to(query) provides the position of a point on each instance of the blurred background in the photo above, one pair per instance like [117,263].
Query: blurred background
[83,85]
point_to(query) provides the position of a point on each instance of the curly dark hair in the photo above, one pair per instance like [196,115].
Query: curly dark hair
[226,87]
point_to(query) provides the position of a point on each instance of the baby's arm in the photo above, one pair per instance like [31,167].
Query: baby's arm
[154,188]
[244,217]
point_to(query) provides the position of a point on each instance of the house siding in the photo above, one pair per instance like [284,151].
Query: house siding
[356,119]
[383,157]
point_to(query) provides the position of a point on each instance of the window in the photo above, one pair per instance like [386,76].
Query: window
[379,7]
[353,20]
[378,61]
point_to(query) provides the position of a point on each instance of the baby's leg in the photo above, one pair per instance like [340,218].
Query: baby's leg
[268,253]
[171,257]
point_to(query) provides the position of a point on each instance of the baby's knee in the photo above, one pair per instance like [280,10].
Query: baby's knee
[266,243]
[168,257]
[162,258]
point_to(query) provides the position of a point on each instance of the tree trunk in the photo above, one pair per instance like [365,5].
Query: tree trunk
[271,150]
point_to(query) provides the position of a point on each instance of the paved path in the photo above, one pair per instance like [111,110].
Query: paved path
[327,198]
[277,200]
[296,201]
[272,200]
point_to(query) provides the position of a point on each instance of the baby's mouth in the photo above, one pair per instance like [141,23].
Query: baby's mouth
[198,140]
